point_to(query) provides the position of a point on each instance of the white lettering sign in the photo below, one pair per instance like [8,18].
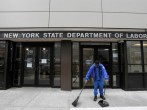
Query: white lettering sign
[10,35]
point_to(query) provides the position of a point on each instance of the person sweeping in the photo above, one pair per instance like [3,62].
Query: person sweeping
[99,74]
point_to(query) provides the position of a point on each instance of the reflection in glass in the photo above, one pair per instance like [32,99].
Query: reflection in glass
[145,54]
[87,43]
[116,80]
[116,75]
[88,60]
[134,52]
[115,53]
[44,65]
[75,65]
[29,69]
[2,61]
[145,51]
[2,53]
[57,64]
[134,68]
[145,68]
[17,65]
[103,56]
[134,56]
[115,69]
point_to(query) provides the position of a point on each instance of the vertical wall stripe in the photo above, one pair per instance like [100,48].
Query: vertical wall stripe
[49,13]
[102,11]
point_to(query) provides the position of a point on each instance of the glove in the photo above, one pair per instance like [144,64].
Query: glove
[105,82]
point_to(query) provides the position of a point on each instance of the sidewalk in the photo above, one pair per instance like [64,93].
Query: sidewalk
[32,98]
[118,100]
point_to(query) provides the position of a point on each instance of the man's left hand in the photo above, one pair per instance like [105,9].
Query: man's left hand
[106,82]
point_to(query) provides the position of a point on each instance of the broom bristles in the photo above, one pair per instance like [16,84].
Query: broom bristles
[75,102]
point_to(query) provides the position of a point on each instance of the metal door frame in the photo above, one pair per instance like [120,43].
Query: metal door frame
[95,47]
[37,46]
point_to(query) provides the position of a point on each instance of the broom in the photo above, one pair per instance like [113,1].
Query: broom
[76,101]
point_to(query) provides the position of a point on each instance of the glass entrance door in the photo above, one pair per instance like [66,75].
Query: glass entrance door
[44,66]
[37,66]
[29,65]
[89,55]
[88,60]
[104,56]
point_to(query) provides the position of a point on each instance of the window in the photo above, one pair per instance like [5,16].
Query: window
[57,64]
[2,61]
[116,74]
[75,65]
[134,56]
[145,55]
[17,65]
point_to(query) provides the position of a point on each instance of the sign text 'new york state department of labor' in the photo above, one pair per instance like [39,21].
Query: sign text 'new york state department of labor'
[107,35]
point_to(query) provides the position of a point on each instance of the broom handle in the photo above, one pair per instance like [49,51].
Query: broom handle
[82,89]
[105,87]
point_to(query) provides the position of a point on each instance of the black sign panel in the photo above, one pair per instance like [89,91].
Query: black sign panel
[91,34]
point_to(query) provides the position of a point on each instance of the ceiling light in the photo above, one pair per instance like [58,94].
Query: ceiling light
[139,45]
[27,49]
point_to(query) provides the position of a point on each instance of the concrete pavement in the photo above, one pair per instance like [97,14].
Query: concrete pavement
[40,98]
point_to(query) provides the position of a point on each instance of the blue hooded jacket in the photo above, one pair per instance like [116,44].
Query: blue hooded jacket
[103,74]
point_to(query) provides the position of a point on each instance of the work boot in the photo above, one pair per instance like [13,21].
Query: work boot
[95,98]
[101,96]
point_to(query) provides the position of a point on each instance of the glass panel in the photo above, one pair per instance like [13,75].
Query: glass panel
[115,69]
[2,44]
[57,64]
[95,43]
[2,62]
[145,81]
[17,65]
[2,49]
[134,52]
[145,51]
[115,53]
[116,76]
[103,56]
[29,67]
[57,52]
[57,75]
[145,68]
[116,80]
[134,68]
[88,60]
[75,65]
[44,65]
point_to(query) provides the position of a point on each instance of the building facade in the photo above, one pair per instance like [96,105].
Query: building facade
[52,43]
